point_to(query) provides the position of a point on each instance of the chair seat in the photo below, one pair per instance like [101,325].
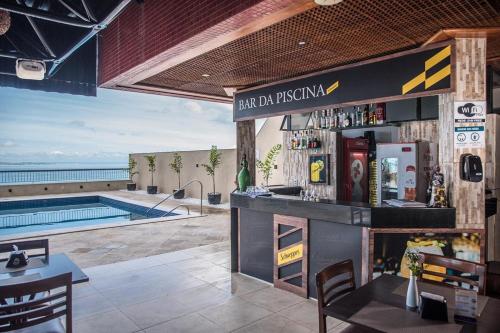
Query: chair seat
[52,326]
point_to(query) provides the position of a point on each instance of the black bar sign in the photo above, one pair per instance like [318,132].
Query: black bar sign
[412,72]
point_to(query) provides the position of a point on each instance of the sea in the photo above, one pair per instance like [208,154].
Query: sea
[49,172]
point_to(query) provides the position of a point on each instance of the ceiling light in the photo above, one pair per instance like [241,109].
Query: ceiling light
[327,2]
[205,75]
[4,21]
[301,43]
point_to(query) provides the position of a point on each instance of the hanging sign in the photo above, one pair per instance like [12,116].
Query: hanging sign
[470,124]
[425,71]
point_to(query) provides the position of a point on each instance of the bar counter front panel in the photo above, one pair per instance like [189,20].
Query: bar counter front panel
[336,232]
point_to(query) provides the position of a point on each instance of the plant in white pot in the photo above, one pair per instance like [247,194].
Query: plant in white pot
[132,165]
[176,166]
[214,161]
[152,168]
[266,167]
[414,261]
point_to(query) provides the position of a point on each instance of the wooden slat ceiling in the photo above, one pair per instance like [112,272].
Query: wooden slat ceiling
[349,32]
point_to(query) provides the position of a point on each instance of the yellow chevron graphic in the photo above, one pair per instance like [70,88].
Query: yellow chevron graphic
[434,78]
[332,87]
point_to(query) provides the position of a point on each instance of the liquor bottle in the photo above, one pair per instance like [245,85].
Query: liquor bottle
[292,142]
[323,119]
[366,112]
[347,119]
[372,117]
[341,118]
[359,116]
[304,140]
[380,113]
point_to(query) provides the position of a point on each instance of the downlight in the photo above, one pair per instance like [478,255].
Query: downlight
[327,2]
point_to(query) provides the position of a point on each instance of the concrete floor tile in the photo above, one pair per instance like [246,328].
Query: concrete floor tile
[110,322]
[239,284]
[274,324]
[193,323]
[273,299]
[234,314]
[89,305]
[155,312]
[306,314]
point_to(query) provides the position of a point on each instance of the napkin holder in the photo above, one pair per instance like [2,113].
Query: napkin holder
[17,258]
[433,307]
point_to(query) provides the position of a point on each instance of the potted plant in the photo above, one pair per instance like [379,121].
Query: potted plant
[132,164]
[176,166]
[214,160]
[266,167]
[152,168]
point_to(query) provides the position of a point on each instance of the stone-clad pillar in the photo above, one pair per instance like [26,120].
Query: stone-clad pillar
[245,144]
[470,85]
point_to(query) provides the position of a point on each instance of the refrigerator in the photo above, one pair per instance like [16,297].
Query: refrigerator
[404,170]
[355,170]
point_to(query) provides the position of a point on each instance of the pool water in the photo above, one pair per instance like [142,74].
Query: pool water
[59,213]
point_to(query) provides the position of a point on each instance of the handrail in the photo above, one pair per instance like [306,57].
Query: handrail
[170,211]
[183,187]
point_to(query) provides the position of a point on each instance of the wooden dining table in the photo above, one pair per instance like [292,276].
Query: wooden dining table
[42,267]
[380,306]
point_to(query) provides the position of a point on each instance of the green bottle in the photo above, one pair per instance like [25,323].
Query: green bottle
[243,175]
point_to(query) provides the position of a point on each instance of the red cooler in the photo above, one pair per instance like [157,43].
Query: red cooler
[355,170]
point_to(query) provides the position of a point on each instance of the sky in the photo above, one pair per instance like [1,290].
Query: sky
[38,126]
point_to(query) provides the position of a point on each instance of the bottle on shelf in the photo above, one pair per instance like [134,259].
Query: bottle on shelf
[380,113]
[366,112]
[359,116]
[304,140]
[372,116]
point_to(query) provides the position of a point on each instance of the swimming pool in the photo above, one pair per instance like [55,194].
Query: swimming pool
[25,216]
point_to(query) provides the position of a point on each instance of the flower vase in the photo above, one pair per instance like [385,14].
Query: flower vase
[412,293]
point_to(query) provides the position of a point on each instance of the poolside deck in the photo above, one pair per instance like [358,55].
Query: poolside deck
[111,245]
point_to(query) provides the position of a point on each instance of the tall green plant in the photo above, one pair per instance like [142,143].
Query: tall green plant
[176,166]
[214,160]
[266,167]
[152,165]
[132,165]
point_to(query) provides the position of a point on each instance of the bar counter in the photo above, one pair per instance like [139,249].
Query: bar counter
[333,231]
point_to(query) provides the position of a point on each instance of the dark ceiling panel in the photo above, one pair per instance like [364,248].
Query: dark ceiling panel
[349,32]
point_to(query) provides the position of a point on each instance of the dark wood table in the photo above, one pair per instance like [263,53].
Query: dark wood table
[55,264]
[380,305]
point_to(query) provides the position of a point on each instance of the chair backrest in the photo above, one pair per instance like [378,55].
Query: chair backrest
[39,244]
[477,271]
[16,312]
[335,281]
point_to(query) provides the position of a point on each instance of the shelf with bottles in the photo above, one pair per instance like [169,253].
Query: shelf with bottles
[356,117]
[304,140]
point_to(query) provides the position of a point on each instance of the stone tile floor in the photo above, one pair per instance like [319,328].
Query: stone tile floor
[110,245]
[190,290]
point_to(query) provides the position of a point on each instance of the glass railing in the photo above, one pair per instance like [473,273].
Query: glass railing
[62,175]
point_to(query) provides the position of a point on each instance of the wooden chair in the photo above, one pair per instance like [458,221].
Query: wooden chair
[329,292]
[41,315]
[39,244]
[463,266]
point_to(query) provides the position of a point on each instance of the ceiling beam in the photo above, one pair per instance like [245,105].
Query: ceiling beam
[143,88]
[22,10]
[445,34]
[74,11]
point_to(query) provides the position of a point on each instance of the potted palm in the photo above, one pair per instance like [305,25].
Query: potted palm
[176,166]
[266,167]
[214,161]
[152,168]
[132,164]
